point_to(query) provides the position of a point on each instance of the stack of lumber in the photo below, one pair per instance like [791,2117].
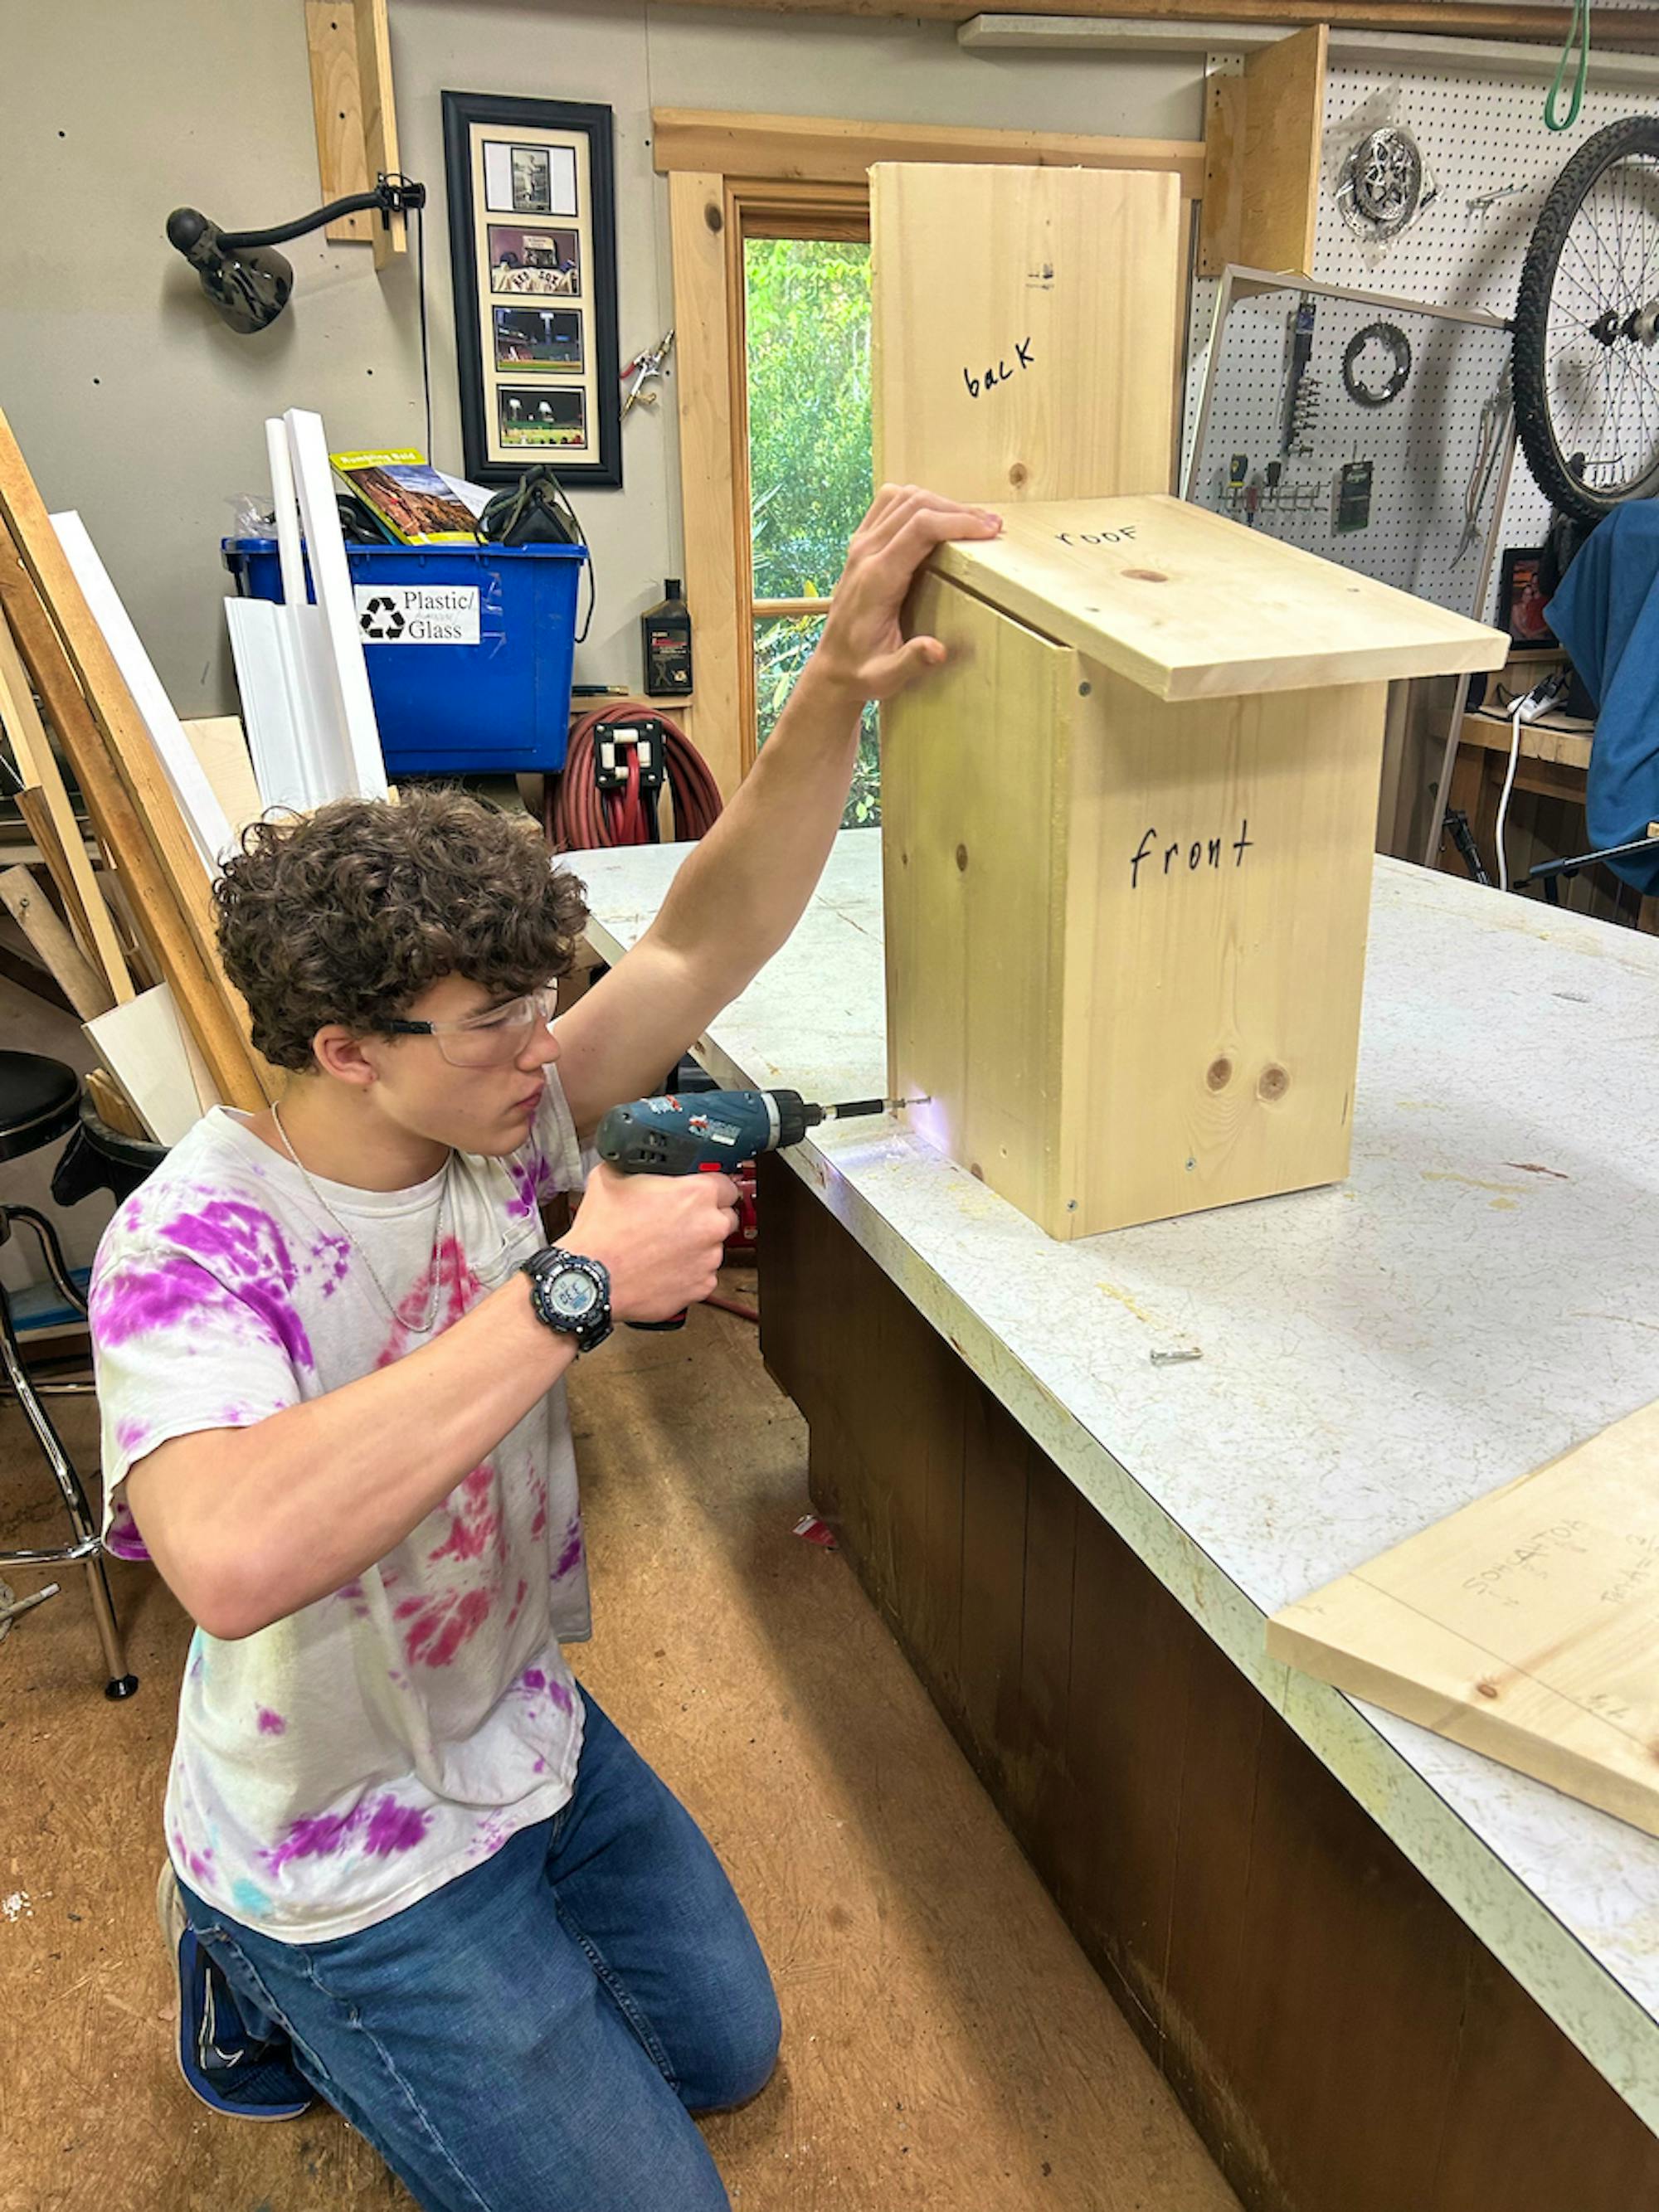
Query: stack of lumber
[130,936]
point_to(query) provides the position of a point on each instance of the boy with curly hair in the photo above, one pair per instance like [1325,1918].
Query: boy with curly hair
[411,1868]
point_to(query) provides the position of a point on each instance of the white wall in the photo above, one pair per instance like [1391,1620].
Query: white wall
[135,404]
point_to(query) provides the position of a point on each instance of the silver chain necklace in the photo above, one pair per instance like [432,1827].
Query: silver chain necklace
[418,1327]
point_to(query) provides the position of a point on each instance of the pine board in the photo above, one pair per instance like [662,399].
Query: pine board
[1526,1626]
[1000,294]
[1192,606]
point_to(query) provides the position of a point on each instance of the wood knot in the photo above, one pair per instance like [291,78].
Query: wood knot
[1218,1074]
[1018,474]
[976,1171]
[1487,1689]
[1274,1084]
[962,859]
[714,215]
[1147,575]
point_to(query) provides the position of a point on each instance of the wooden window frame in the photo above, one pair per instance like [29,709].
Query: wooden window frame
[732,177]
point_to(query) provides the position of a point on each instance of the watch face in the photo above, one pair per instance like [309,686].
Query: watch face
[573,1294]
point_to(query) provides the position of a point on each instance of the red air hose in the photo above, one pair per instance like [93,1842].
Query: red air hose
[583,818]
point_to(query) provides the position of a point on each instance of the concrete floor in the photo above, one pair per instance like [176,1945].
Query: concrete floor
[946,2043]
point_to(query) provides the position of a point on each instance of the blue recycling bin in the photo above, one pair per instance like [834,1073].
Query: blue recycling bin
[469,648]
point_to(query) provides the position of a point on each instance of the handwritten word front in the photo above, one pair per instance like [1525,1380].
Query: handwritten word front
[1189,857]
[1001,373]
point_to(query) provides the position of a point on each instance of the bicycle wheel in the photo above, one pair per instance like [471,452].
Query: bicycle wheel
[1586,320]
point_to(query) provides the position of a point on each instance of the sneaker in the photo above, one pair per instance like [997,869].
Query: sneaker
[243,2076]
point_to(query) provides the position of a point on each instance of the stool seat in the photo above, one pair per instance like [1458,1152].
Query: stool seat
[40,1099]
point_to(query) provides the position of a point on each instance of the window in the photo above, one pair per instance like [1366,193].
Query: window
[806,304]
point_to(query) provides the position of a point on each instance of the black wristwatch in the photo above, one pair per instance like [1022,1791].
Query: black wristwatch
[570,1295]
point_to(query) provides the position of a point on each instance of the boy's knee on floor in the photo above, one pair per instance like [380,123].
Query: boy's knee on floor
[740,2059]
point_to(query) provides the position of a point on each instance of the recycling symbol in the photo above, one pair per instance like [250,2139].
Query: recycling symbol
[381,618]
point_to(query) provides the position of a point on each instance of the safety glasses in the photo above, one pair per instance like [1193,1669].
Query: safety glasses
[492,1039]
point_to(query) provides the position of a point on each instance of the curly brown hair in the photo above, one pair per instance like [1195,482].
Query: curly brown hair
[348,913]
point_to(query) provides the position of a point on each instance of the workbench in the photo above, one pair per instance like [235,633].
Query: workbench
[1369,1960]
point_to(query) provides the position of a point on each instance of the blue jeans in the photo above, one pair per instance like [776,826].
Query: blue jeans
[534,2036]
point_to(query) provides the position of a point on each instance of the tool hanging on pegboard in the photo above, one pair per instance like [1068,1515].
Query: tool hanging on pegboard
[1385,184]
[1376,364]
[1300,390]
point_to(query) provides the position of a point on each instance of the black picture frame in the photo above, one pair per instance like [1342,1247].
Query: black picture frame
[475,338]
[1517,578]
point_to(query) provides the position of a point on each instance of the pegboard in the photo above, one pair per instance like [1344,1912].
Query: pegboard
[1423,448]
[1478,138]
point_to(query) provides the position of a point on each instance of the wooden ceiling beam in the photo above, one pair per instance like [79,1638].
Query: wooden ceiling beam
[1474,19]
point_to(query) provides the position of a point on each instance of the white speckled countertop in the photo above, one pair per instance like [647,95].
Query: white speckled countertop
[1479,1295]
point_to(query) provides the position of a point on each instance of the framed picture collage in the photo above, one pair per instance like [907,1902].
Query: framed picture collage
[532,221]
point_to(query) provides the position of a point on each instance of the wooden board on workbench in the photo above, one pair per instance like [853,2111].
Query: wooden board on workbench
[1523,1626]
[998,297]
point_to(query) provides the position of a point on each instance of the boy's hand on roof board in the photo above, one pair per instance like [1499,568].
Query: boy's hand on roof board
[864,652]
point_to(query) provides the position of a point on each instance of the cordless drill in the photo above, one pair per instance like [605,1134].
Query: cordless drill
[712,1133]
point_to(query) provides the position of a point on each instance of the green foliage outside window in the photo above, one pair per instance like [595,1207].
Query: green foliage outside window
[808,303]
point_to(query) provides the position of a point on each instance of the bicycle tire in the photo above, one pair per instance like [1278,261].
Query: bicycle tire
[1552,468]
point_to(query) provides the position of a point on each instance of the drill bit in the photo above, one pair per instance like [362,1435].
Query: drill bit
[853,1108]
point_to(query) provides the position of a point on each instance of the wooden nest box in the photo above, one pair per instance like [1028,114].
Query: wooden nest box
[1128,834]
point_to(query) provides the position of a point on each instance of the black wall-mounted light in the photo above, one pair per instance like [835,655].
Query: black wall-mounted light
[242,274]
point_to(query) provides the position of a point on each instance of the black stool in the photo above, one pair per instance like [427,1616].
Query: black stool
[39,1102]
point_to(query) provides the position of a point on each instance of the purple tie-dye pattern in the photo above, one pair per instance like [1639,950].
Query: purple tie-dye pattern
[271,1724]
[198,1865]
[123,1539]
[237,1253]
[332,1256]
[533,1684]
[132,1436]
[385,1826]
[527,1176]
[571,1555]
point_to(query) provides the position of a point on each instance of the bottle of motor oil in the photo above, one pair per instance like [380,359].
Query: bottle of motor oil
[665,634]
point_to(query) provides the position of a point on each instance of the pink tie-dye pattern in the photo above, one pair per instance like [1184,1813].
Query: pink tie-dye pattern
[474,1524]
[441,1625]
[132,1436]
[459,1288]
[271,1724]
[384,1828]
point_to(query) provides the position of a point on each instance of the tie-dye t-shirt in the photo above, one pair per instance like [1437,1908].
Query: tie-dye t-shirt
[342,1763]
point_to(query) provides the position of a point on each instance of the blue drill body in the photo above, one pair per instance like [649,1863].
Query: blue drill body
[704,1133]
